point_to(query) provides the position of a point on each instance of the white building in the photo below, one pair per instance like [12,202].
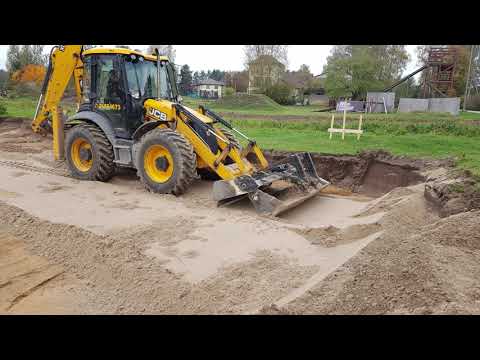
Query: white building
[209,88]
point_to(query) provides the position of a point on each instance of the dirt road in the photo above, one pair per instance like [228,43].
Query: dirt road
[68,246]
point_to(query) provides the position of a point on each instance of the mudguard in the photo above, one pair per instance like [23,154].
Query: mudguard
[93,117]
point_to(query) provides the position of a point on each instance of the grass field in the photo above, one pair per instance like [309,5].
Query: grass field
[25,107]
[413,134]
[466,150]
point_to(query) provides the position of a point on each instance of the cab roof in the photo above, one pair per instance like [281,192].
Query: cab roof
[122,51]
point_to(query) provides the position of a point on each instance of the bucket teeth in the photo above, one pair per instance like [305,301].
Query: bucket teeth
[298,171]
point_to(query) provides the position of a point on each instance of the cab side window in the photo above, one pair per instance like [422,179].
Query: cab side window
[132,80]
[109,84]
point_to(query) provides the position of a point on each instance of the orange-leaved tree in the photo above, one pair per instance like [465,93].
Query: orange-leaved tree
[30,74]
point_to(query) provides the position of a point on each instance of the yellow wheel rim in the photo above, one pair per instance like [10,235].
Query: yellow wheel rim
[158,163]
[79,148]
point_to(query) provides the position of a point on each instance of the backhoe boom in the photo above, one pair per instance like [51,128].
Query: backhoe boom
[64,62]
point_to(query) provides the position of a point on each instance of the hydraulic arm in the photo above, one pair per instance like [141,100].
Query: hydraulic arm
[64,62]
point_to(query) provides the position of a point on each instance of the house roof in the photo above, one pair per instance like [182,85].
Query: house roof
[209,82]
[266,59]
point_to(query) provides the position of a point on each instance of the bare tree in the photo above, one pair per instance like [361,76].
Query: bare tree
[165,50]
[279,52]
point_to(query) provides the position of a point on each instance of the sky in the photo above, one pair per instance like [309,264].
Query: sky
[230,57]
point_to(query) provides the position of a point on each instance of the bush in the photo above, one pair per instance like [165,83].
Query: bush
[25,89]
[3,109]
[280,93]
[229,91]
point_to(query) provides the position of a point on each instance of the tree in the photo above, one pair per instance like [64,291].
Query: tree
[305,76]
[32,54]
[280,93]
[186,80]
[164,50]
[3,79]
[20,56]
[408,89]
[217,75]
[30,73]
[237,80]
[196,77]
[353,70]
[304,69]
[253,52]
[13,58]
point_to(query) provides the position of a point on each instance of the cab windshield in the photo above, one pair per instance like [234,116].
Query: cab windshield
[142,79]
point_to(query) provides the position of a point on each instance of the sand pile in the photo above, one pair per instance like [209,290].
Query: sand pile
[420,265]
[117,277]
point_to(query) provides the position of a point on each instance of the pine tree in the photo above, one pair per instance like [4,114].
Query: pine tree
[186,80]
[196,77]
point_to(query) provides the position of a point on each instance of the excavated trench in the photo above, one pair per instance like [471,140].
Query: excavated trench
[372,173]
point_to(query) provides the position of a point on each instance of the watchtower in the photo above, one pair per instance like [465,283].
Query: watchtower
[439,78]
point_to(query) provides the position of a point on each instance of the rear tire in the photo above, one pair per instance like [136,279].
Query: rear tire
[98,163]
[166,162]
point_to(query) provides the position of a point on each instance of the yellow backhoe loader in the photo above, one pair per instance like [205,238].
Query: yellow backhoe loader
[129,114]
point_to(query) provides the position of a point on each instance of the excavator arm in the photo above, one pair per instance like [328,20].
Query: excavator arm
[65,61]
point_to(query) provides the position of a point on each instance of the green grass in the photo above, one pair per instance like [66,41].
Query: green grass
[20,107]
[392,126]
[466,150]
[465,115]
[24,107]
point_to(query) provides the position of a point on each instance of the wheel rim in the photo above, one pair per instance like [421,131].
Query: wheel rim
[158,163]
[81,154]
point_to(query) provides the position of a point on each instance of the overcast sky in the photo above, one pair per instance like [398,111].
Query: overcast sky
[230,57]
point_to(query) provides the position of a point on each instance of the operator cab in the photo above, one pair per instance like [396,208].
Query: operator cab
[117,82]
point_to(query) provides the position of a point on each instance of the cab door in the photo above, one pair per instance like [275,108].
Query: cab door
[110,97]
[134,106]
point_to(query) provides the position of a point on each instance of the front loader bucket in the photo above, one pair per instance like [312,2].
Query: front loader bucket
[275,190]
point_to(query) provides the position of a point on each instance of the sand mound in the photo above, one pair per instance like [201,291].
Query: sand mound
[332,236]
[420,265]
[117,276]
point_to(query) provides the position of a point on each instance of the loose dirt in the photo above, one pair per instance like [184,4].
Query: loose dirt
[363,246]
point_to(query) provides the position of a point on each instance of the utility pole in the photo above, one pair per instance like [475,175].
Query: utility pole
[467,85]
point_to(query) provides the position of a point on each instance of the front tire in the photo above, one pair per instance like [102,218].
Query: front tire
[89,154]
[166,162]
